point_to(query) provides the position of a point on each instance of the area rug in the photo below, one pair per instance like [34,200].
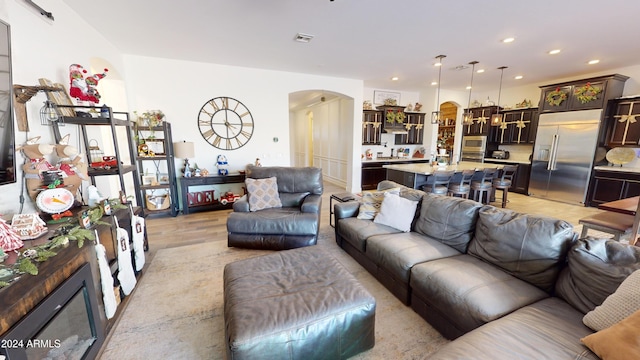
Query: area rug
[176,312]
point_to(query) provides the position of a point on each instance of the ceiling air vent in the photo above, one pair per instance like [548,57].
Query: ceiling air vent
[304,38]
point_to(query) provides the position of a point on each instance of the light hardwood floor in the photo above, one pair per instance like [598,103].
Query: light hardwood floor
[168,232]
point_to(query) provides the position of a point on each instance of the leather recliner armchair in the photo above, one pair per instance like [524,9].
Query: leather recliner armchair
[295,224]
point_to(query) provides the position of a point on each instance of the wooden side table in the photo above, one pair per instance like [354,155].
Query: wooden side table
[339,197]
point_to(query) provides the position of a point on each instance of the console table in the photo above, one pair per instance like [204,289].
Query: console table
[205,200]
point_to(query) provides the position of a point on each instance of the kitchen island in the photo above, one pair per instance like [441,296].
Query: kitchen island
[417,175]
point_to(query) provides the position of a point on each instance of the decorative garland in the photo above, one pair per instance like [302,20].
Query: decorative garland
[555,98]
[587,93]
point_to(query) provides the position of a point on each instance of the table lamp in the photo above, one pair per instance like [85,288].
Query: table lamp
[185,150]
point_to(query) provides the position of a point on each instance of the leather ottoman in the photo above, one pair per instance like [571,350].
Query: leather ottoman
[295,304]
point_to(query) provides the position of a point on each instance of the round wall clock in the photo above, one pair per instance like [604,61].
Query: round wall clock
[225,123]
[55,201]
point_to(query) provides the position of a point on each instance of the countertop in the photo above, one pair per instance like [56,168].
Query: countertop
[508,161]
[394,159]
[632,170]
[428,169]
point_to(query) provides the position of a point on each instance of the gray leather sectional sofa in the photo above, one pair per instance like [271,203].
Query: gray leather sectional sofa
[503,284]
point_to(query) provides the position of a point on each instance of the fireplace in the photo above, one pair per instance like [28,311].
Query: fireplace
[65,325]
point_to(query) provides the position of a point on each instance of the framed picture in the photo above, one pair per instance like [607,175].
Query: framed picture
[149,180]
[380,96]
[163,178]
[157,146]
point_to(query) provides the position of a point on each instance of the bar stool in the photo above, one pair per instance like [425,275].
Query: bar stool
[463,187]
[484,185]
[504,182]
[440,185]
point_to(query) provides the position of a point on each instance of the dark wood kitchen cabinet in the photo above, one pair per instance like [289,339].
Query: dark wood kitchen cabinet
[623,122]
[371,127]
[592,93]
[480,120]
[374,171]
[612,185]
[414,125]
[518,127]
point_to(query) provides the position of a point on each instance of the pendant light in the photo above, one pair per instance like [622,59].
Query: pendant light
[496,119]
[435,115]
[467,117]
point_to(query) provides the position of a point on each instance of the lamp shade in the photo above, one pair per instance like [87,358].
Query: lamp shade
[184,149]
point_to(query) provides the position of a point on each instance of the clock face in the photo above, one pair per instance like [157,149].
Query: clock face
[55,201]
[225,123]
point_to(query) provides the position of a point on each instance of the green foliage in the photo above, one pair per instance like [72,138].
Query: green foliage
[27,266]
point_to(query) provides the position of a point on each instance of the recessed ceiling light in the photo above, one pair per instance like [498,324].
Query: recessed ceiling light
[508,40]
[480,71]
[434,83]
[593,62]
[395,78]
[305,38]
[518,77]
[554,51]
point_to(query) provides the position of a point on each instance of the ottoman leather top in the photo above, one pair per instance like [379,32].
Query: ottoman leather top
[276,297]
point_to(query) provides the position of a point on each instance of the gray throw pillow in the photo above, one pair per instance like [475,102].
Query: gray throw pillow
[262,193]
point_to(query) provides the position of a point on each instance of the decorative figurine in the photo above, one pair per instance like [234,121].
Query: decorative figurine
[417,107]
[366,105]
[257,163]
[222,165]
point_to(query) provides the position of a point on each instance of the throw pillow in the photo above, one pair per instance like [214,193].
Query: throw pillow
[262,193]
[618,342]
[396,212]
[371,201]
[617,306]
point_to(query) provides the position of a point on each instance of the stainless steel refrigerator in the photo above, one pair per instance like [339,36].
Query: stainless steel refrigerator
[563,155]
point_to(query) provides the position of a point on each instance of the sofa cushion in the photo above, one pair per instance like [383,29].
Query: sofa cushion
[447,219]
[277,221]
[290,179]
[371,201]
[529,247]
[619,342]
[356,231]
[596,268]
[547,329]
[262,193]
[398,253]
[617,306]
[469,291]
[396,212]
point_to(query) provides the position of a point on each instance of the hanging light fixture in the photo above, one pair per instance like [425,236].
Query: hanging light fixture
[435,115]
[496,119]
[49,114]
[467,117]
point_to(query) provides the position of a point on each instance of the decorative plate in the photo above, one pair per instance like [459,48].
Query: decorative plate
[621,155]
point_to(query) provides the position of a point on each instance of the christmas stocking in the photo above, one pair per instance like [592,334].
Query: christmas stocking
[138,229]
[125,268]
[108,296]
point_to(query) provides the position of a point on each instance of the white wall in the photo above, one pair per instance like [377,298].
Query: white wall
[44,49]
[180,88]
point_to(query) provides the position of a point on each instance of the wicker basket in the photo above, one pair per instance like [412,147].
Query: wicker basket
[157,202]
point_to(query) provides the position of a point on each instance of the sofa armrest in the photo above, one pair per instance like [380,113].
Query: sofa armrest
[241,205]
[311,204]
[346,209]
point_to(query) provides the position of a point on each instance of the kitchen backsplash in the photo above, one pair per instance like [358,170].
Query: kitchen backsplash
[518,152]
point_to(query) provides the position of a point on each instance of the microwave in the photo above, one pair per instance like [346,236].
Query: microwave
[474,144]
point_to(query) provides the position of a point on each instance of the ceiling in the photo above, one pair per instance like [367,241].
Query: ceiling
[374,40]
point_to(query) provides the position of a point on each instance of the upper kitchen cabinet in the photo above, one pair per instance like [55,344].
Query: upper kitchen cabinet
[414,126]
[623,122]
[517,127]
[371,127]
[583,94]
[480,120]
[394,118]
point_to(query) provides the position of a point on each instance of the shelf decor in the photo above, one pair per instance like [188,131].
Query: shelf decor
[587,93]
[556,97]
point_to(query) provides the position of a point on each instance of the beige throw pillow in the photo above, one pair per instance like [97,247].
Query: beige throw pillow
[371,201]
[262,193]
[617,306]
